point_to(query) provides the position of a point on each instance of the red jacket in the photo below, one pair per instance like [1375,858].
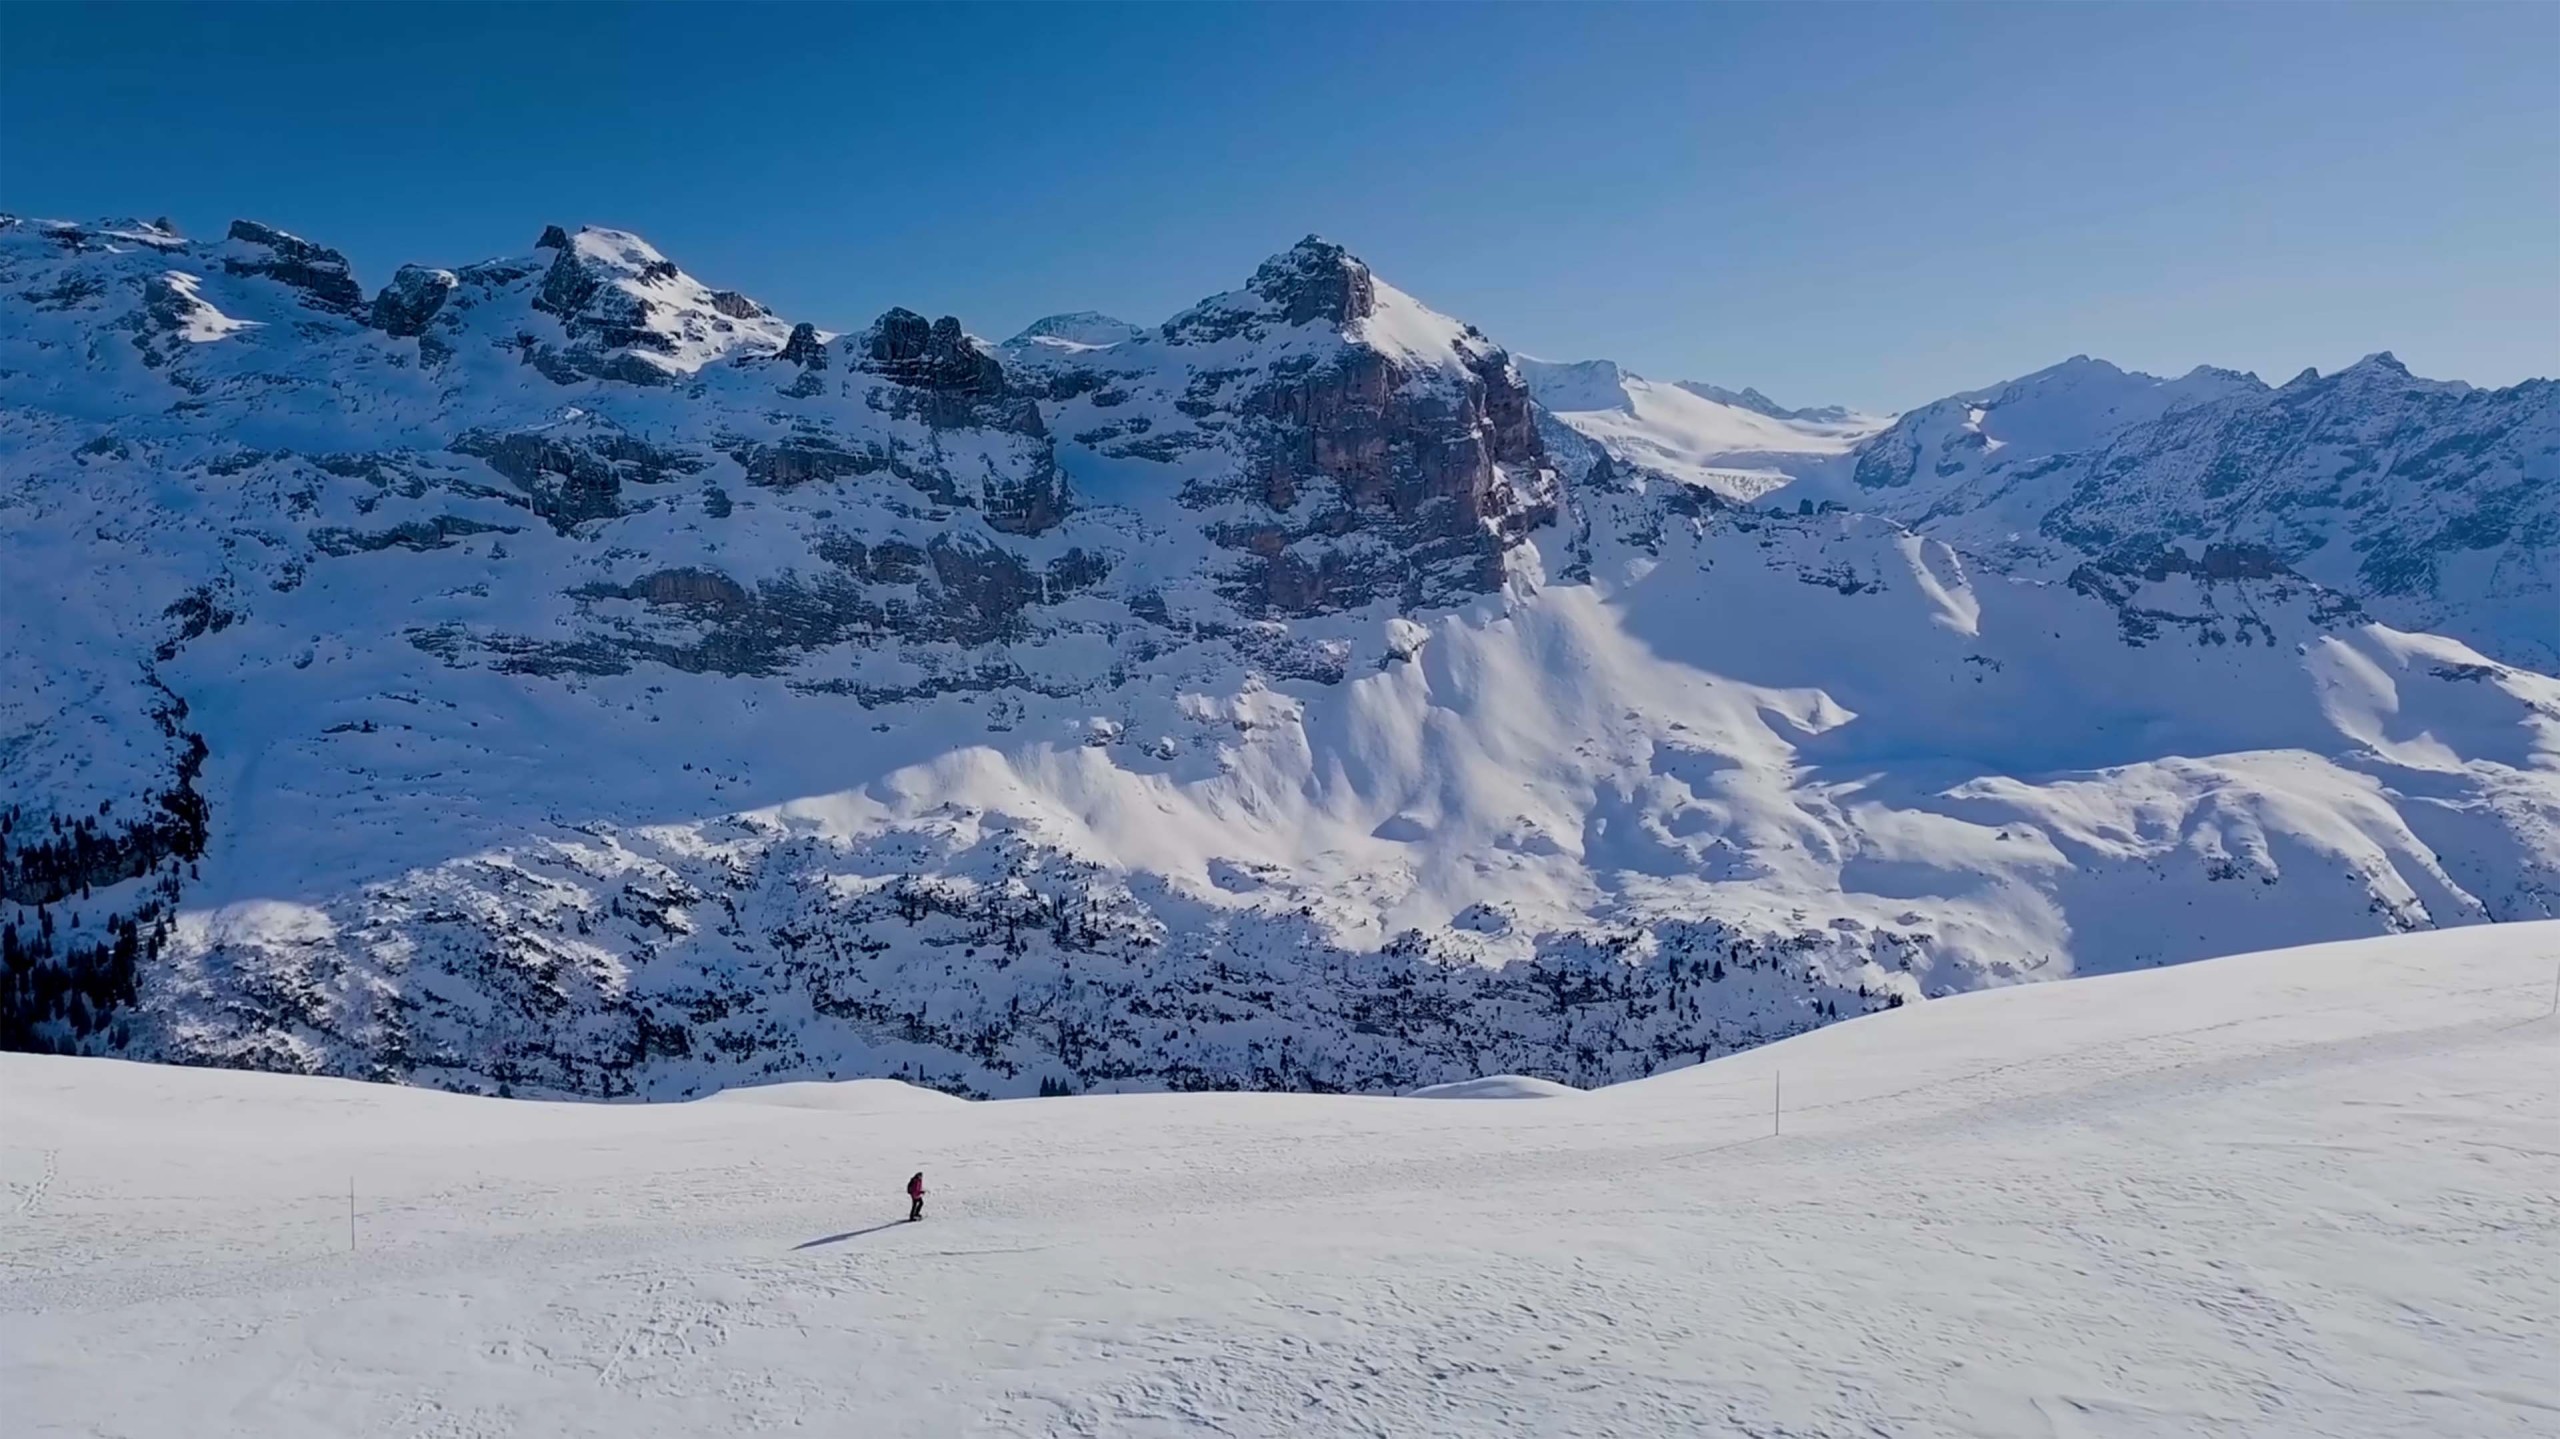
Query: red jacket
[915,1187]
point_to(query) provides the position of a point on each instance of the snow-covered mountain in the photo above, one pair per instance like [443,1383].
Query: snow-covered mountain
[1077,330]
[558,675]
[2434,504]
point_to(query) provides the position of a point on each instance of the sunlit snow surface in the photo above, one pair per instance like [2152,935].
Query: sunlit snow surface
[2297,1193]
[1692,433]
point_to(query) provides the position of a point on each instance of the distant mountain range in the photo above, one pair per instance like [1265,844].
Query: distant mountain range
[557,675]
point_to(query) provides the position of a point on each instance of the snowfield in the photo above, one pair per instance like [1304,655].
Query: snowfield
[1694,433]
[2301,1192]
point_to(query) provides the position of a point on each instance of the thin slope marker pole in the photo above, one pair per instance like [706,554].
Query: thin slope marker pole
[1777,1087]
[2555,989]
[351,1214]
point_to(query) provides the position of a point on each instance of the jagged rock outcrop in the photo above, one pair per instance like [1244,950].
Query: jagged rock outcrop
[576,472]
[319,273]
[941,377]
[803,348]
[411,300]
[1313,282]
[931,355]
[1431,470]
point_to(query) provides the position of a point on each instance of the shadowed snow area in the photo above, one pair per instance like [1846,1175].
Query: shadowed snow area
[2302,1192]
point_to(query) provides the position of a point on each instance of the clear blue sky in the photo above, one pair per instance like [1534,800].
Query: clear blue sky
[1832,202]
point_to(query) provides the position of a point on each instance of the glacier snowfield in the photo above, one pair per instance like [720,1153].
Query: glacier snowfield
[2304,1192]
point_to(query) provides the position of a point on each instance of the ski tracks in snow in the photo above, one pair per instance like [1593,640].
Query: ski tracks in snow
[32,1194]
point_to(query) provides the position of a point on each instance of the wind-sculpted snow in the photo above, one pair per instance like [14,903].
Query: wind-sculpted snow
[558,675]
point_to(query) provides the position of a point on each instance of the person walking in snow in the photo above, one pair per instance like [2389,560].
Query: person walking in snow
[915,1197]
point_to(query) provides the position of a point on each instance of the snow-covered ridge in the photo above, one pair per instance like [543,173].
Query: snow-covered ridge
[2433,503]
[560,675]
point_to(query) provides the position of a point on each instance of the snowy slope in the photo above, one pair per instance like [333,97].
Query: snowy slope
[558,675]
[1738,446]
[2298,1193]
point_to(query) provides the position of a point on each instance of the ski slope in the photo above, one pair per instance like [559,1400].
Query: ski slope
[2299,1192]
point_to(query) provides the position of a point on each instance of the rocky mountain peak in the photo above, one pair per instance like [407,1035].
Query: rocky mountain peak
[804,348]
[2382,373]
[930,355]
[1312,282]
[1316,279]
[631,314]
[2217,374]
[320,273]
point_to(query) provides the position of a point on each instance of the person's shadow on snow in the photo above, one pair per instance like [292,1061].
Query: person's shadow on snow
[850,1234]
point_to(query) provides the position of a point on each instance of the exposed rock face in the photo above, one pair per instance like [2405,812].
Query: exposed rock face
[411,300]
[945,380]
[1350,449]
[803,348]
[1314,282]
[1345,443]
[931,355]
[321,274]
[1317,280]
[575,472]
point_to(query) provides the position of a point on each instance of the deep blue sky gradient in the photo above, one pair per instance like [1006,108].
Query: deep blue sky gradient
[1836,203]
